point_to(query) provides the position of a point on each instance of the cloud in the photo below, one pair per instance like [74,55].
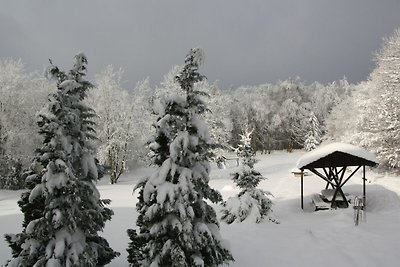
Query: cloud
[12,38]
[246,42]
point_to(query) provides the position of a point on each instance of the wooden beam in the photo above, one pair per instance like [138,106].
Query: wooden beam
[321,176]
[338,180]
[327,175]
[343,170]
[348,178]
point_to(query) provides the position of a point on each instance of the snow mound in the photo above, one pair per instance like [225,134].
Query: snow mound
[324,151]
[382,200]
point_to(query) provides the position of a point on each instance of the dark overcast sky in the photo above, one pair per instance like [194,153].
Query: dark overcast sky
[247,42]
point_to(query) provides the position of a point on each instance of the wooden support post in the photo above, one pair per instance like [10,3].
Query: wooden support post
[302,194]
[364,191]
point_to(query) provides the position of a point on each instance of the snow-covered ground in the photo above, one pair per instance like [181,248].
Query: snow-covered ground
[303,238]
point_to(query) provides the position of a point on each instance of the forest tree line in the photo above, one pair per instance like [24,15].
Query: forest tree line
[286,115]
[279,115]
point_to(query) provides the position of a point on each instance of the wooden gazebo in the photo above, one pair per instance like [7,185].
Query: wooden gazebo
[330,163]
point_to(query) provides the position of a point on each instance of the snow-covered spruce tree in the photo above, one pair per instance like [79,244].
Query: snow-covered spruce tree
[251,202]
[63,212]
[177,226]
[314,135]
[168,111]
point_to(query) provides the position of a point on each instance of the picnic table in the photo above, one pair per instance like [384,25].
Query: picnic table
[324,200]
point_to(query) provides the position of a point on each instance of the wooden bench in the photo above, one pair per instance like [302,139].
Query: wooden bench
[319,202]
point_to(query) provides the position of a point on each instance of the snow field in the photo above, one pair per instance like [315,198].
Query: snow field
[303,238]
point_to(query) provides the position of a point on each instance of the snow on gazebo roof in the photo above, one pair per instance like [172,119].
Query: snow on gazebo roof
[337,155]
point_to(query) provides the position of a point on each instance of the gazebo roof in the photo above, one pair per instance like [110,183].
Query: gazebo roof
[337,155]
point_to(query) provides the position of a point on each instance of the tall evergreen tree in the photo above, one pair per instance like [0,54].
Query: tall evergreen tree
[251,202]
[63,212]
[177,226]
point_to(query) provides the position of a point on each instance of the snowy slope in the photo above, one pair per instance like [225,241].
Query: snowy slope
[303,238]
